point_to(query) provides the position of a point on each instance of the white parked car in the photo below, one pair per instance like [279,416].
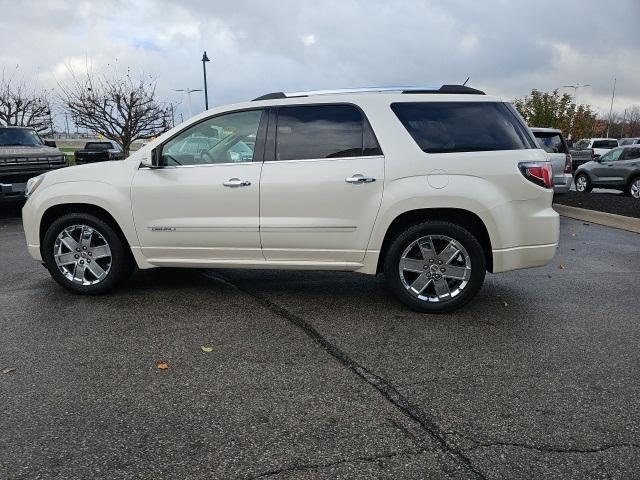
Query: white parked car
[432,186]
[600,146]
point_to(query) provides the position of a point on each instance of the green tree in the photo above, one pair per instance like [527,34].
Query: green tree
[555,110]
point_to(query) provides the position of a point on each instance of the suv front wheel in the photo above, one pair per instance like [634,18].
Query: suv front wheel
[85,254]
[435,266]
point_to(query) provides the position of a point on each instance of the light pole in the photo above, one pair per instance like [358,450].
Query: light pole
[613,95]
[205,59]
[575,87]
[189,91]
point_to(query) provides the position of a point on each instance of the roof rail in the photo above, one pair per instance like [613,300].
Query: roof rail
[451,89]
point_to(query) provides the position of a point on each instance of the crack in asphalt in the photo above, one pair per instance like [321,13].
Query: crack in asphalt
[541,448]
[388,391]
[298,468]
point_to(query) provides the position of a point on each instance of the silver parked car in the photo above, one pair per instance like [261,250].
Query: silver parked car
[618,169]
[552,142]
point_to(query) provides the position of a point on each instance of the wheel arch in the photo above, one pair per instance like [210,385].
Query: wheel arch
[464,218]
[58,210]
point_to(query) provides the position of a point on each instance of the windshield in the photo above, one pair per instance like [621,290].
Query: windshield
[19,137]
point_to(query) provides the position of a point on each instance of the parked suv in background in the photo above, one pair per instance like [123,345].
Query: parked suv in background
[99,152]
[629,141]
[432,186]
[23,155]
[552,142]
[618,169]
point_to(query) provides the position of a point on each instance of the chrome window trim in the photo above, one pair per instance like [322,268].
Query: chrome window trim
[323,159]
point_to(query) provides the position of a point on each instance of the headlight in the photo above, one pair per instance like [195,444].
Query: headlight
[32,184]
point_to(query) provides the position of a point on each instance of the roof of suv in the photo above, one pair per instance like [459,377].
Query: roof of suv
[16,127]
[443,89]
[545,130]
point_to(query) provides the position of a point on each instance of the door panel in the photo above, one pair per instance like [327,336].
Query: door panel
[203,202]
[308,211]
[188,212]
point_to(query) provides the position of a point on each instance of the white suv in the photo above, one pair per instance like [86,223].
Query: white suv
[432,186]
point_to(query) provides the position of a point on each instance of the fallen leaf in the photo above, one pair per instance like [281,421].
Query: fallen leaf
[9,370]
[505,303]
[561,266]
[573,234]
[573,249]
[162,365]
[206,349]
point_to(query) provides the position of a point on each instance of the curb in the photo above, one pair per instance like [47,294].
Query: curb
[621,222]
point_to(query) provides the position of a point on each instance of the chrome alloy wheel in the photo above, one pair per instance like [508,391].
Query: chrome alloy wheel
[435,268]
[635,188]
[581,183]
[82,255]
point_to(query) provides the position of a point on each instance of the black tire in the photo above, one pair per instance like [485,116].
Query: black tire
[588,187]
[121,261]
[633,188]
[405,239]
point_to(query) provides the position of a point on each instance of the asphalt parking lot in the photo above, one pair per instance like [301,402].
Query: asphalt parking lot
[323,375]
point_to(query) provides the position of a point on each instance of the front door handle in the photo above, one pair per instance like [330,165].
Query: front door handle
[358,178]
[236,182]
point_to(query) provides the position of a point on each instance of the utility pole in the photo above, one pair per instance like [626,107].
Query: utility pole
[189,91]
[66,122]
[205,59]
[613,95]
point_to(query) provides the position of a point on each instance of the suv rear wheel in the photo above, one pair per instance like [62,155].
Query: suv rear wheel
[85,254]
[435,267]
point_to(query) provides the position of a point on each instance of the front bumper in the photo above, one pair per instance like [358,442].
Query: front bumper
[12,189]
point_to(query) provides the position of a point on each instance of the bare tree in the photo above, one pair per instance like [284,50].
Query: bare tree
[119,108]
[23,106]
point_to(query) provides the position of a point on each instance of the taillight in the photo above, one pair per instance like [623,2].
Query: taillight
[567,163]
[539,173]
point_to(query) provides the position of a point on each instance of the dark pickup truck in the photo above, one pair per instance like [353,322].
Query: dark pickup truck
[99,152]
[23,155]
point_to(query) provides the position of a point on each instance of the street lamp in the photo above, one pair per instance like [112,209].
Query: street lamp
[205,59]
[575,87]
[189,91]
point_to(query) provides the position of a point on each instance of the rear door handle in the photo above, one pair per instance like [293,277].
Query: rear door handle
[359,178]
[236,182]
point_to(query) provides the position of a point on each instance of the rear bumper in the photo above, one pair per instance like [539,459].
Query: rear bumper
[523,257]
[12,189]
[563,185]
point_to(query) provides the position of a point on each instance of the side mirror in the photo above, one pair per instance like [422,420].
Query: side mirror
[152,159]
[50,143]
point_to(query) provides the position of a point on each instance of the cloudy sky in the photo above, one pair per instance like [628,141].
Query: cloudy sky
[507,47]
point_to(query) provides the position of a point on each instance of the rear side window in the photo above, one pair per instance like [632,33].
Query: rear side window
[631,153]
[323,131]
[440,127]
[551,142]
[605,144]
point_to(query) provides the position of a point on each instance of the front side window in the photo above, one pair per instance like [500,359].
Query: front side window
[612,156]
[228,138]
[441,127]
[551,142]
[323,131]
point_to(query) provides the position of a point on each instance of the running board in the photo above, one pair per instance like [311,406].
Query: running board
[255,264]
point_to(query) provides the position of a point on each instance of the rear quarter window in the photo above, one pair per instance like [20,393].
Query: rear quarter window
[441,127]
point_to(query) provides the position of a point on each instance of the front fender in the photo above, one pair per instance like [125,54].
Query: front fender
[116,200]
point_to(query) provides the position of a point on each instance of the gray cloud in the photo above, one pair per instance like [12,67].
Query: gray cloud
[506,47]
